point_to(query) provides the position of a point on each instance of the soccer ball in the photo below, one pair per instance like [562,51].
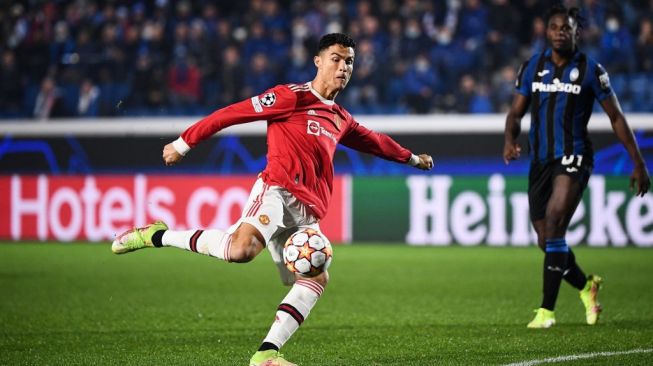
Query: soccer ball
[307,252]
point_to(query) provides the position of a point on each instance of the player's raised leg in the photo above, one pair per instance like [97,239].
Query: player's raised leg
[241,246]
[291,313]
[240,243]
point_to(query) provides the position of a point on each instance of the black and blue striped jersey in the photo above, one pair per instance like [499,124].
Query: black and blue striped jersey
[562,99]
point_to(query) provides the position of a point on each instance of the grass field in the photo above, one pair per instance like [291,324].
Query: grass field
[78,304]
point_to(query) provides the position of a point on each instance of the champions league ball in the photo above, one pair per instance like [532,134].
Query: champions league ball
[307,252]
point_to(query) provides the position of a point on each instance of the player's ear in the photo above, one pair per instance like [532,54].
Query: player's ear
[317,61]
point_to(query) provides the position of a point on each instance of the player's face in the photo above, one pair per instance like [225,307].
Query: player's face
[335,65]
[561,32]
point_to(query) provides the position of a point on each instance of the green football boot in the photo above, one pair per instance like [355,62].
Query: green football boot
[136,238]
[269,358]
[544,318]
[589,297]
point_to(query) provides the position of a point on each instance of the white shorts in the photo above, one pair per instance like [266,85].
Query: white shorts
[277,214]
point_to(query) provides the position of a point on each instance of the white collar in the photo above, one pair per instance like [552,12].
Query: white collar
[320,97]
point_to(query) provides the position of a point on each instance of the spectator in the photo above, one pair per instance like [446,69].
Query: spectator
[11,87]
[472,97]
[645,46]
[363,92]
[143,74]
[34,56]
[594,12]
[232,76]
[63,45]
[421,84]
[49,102]
[473,24]
[88,104]
[394,49]
[260,76]
[87,53]
[538,40]
[617,46]
[372,32]
[414,40]
[503,87]
[465,94]
[272,17]
[184,85]
[503,28]
[257,42]
[300,68]
[105,41]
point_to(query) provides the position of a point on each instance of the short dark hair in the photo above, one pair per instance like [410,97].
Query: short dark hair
[330,39]
[560,9]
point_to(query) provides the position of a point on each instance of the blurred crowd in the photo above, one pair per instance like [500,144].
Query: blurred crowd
[166,57]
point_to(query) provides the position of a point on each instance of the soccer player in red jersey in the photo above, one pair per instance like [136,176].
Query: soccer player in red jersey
[304,125]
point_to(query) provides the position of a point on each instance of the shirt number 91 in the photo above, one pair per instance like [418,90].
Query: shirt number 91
[572,162]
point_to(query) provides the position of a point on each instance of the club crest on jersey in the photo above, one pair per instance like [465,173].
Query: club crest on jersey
[268,99]
[573,75]
[264,219]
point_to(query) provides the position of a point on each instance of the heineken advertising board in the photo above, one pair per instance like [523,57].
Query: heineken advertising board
[493,210]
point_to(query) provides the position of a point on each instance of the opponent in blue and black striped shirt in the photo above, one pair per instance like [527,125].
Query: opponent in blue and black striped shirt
[560,85]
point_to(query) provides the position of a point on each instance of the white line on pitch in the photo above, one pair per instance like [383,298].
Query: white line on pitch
[578,357]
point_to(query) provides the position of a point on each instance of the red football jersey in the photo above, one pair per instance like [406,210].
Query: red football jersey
[303,129]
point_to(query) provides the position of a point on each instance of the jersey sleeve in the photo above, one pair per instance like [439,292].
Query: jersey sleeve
[524,80]
[600,83]
[276,103]
[362,139]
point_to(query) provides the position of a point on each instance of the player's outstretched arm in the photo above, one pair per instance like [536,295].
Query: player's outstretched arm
[640,175]
[170,155]
[511,149]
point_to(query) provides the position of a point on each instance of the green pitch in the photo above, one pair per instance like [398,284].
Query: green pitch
[78,304]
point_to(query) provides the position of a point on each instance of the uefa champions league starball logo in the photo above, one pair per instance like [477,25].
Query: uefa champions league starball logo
[268,99]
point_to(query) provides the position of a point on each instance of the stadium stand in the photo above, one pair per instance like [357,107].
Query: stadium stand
[164,57]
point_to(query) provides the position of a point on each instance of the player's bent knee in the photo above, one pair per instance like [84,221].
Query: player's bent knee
[241,255]
[244,249]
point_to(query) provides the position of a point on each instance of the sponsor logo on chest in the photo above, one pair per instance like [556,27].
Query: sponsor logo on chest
[314,128]
[555,87]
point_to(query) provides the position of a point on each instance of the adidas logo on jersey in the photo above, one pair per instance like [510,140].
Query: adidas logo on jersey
[556,86]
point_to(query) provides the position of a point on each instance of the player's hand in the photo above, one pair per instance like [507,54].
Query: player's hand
[425,162]
[640,175]
[511,151]
[170,155]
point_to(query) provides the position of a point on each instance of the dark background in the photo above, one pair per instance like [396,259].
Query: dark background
[469,154]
